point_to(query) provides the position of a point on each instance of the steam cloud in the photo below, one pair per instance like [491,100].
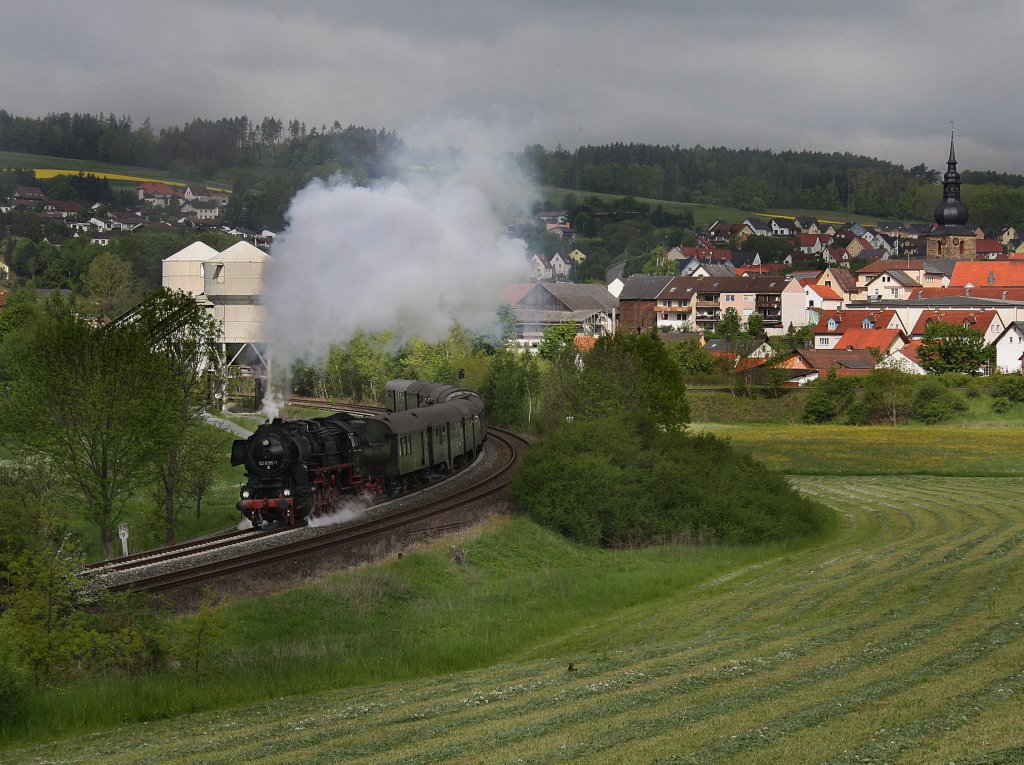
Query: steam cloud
[411,256]
[347,510]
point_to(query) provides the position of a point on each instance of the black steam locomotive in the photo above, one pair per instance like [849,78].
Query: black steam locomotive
[304,468]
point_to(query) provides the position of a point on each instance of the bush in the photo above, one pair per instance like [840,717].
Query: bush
[1010,387]
[857,414]
[829,398]
[15,678]
[935,403]
[1001,405]
[621,481]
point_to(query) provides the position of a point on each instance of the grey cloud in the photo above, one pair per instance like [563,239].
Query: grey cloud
[867,76]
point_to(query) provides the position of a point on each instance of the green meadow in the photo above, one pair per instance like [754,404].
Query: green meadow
[895,637]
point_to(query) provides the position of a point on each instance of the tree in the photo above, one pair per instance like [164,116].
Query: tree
[95,403]
[510,388]
[506,323]
[557,340]
[953,348]
[693,358]
[44,589]
[755,325]
[888,396]
[623,372]
[729,325]
[108,284]
[187,338]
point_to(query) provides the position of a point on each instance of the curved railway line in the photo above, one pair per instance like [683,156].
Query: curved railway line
[262,555]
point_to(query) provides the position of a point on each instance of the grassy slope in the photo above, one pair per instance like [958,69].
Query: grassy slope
[898,638]
[704,215]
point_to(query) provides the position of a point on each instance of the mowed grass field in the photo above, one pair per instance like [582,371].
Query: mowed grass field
[898,638]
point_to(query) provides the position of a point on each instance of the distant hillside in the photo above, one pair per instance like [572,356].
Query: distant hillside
[118,175]
[760,180]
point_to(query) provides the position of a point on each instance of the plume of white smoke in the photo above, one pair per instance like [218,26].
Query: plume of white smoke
[273,402]
[411,256]
[346,510]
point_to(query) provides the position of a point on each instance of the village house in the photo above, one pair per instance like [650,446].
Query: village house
[591,307]
[833,325]
[893,284]
[807,364]
[560,265]
[1010,349]
[988,322]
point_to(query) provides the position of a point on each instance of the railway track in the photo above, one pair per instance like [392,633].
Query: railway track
[240,552]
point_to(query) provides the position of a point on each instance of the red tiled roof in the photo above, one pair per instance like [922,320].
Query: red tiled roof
[979,320]
[910,350]
[997,293]
[988,273]
[985,246]
[155,187]
[513,293]
[825,292]
[847,320]
[862,339]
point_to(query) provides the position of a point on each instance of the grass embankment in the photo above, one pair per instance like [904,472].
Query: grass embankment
[899,639]
[724,407]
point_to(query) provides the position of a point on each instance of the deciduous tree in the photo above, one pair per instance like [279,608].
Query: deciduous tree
[953,348]
[93,401]
[187,338]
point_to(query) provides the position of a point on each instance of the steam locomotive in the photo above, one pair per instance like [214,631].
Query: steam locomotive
[304,468]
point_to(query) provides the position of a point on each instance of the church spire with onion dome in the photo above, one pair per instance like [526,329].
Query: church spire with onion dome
[951,211]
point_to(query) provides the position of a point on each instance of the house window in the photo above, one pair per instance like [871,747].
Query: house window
[730,298]
[822,341]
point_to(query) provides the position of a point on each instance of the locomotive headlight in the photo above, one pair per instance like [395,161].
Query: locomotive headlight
[245,494]
[287,492]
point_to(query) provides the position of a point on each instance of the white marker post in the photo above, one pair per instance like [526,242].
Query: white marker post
[122,531]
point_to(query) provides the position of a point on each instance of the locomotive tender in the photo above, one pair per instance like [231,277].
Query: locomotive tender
[303,468]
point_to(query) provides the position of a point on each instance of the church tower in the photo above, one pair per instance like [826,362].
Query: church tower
[951,238]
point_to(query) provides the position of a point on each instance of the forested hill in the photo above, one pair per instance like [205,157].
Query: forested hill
[267,161]
[753,179]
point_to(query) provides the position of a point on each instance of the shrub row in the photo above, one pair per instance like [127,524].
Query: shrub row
[621,481]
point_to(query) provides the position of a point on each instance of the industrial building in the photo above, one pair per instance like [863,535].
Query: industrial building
[229,285]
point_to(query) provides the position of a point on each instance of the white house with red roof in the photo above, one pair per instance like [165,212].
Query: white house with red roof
[987,322]
[833,325]
[811,244]
[156,194]
[1010,349]
[819,299]
[905,359]
[541,267]
[881,342]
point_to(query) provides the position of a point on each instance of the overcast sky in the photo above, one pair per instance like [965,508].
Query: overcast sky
[876,77]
